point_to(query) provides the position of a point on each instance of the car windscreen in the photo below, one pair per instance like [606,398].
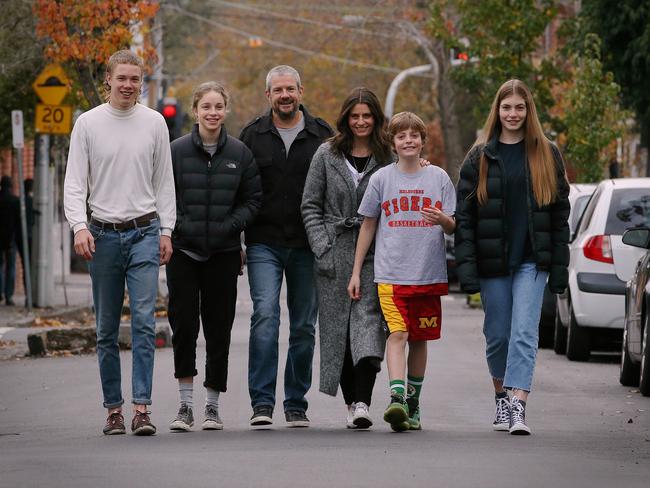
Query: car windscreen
[629,207]
[576,212]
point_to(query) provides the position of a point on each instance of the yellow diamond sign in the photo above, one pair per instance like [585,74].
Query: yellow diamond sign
[51,86]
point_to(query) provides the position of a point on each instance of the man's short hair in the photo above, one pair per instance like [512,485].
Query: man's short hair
[123,56]
[283,69]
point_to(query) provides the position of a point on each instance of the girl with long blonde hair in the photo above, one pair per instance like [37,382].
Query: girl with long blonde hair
[511,238]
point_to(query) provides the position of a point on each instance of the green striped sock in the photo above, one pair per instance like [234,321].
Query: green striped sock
[397,387]
[414,386]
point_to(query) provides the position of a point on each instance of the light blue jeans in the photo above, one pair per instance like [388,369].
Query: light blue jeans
[131,256]
[266,266]
[513,305]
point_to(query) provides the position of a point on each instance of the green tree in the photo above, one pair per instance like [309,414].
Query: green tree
[503,38]
[21,59]
[593,119]
[624,28]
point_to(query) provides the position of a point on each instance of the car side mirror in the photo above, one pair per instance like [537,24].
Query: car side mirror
[639,237]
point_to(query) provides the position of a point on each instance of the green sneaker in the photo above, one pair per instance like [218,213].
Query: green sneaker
[414,413]
[397,413]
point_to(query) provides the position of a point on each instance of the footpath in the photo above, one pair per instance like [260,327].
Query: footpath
[67,327]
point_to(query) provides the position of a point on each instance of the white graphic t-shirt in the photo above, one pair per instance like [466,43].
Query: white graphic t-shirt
[408,251]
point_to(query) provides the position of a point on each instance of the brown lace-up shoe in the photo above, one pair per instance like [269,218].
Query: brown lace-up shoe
[114,424]
[141,424]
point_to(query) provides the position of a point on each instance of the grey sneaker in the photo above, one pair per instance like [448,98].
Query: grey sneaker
[262,415]
[212,420]
[502,415]
[518,417]
[184,419]
[349,420]
[361,416]
[296,418]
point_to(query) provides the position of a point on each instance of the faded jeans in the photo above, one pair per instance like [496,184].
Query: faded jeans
[131,256]
[513,305]
[266,266]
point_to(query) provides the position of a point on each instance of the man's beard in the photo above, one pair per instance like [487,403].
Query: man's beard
[286,115]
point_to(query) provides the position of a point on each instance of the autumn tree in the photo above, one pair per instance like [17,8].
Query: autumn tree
[501,41]
[82,34]
[593,119]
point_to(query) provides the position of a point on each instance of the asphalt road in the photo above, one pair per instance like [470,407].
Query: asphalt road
[588,430]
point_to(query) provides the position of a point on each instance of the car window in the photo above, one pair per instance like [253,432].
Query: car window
[576,212]
[585,218]
[629,207]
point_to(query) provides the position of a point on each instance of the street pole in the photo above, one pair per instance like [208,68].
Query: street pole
[18,143]
[397,81]
[43,213]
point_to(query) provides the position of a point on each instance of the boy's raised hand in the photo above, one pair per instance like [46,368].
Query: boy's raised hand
[354,287]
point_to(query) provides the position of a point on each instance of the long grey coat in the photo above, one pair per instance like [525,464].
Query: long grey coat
[329,210]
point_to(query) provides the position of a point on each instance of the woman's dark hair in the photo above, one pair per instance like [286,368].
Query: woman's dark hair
[379,143]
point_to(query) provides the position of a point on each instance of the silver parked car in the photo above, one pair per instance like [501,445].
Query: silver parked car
[635,359]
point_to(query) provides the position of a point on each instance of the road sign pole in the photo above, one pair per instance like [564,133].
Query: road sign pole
[18,143]
[43,211]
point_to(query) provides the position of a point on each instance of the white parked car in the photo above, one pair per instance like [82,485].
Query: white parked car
[550,333]
[593,307]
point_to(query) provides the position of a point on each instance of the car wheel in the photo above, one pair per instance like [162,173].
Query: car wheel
[559,336]
[545,336]
[577,341]
[644,383]
[630,372]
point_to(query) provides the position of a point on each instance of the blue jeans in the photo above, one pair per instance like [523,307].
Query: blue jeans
[513,305]
[7,271]
[266,265]
[132,256]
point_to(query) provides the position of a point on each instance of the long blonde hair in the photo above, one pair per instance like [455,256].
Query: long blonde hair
[538,148]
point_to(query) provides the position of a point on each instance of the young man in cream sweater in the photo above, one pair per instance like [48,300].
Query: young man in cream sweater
[120,165]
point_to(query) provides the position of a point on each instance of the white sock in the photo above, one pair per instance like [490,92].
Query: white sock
[211,397]
[186,391]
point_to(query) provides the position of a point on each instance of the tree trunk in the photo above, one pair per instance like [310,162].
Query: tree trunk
[454,151]
[88,86]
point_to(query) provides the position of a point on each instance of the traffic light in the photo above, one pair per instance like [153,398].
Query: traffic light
[458,57]
[255,42]
[170,108]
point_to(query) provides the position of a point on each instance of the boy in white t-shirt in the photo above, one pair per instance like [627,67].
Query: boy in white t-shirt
[409,207]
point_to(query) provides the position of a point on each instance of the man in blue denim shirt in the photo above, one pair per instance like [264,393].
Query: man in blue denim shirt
[120,164]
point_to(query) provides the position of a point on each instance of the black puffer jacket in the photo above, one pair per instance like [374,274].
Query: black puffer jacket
[283,178]
[216,197]
[481,230]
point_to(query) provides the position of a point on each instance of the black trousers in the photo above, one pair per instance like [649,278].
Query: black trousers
[358,381]
[209,289]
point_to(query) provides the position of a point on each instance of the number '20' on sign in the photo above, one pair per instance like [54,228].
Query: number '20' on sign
[53,119]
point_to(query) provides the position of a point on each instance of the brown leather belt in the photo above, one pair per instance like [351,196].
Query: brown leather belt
[142,221]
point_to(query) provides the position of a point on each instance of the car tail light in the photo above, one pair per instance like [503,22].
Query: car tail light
[599,248]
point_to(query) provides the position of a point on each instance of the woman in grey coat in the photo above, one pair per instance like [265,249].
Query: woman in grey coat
[352,336]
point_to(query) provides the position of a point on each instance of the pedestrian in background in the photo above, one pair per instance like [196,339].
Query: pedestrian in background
[283,142]
[512,234]
[218,192]
[120,164]
[409,207]
[28,186]
[9,237]
[352,337]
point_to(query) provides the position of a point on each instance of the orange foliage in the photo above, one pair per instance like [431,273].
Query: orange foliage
[89,31]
